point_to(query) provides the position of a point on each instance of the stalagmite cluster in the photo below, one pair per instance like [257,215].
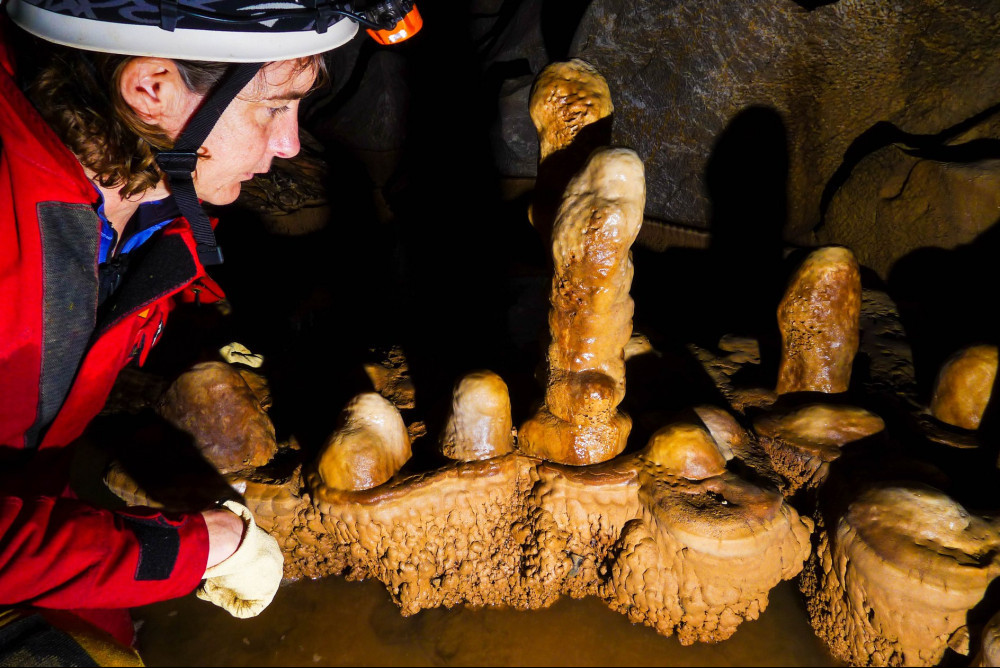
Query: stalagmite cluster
[671,534]
[591,316]
[668,536]
[688,555]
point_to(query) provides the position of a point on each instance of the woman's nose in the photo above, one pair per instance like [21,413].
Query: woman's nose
[285,135]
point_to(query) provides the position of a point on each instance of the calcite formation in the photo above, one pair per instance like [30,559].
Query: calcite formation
[368,448]
[989,645]
[895,575]
[729,436]
[964,386]
[667,536]
[685,450]
[571,109]
[566,98]
[214,403]
[818,318]
[590,321]
[802,442]
[480,425]
[686,556]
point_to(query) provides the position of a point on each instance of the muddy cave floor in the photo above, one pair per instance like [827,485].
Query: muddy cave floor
[455,296]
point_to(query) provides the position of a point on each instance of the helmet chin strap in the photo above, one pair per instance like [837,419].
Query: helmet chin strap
[179,163]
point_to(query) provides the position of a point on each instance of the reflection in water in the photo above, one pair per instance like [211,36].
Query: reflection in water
[336,622]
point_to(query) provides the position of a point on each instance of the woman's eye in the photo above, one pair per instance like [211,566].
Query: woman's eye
[278,111]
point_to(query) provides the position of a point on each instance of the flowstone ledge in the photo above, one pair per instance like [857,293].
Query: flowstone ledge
[695,557]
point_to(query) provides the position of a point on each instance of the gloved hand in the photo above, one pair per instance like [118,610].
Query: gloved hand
[245,583]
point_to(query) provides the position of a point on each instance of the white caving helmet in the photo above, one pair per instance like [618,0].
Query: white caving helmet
[248,33]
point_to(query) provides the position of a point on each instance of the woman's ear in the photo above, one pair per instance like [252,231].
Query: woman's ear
[154,89]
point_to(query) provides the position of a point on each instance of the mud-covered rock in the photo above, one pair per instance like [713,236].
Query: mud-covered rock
[215,405]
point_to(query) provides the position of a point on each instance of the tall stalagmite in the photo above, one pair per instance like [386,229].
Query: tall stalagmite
[591,316]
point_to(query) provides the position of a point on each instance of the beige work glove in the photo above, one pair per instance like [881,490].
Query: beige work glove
[246,582]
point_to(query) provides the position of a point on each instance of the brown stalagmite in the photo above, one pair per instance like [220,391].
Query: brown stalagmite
[818,319]
[964,386]
[894,583]
[685,450]
[479,426]
[590,321]
[214,403]
[368,448]
[566,98]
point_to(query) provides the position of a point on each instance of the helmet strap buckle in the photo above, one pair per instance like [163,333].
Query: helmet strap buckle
[177,163]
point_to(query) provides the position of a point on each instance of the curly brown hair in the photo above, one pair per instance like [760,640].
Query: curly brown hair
[78,93]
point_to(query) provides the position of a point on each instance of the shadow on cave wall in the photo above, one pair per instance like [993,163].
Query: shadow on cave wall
[946,300]
[734,286]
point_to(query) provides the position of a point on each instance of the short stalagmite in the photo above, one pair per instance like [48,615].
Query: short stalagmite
[590,320]
[215,405]
[685,450]
[566,98]
[896,575]
[801,442]
[818,319]
[964,386]
[479,426]
[368,447]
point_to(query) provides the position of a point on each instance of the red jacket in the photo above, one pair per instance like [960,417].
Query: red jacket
[58,361]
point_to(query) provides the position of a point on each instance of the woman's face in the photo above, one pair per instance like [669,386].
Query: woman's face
[259,125]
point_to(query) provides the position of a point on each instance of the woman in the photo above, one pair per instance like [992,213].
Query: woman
[144,110]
